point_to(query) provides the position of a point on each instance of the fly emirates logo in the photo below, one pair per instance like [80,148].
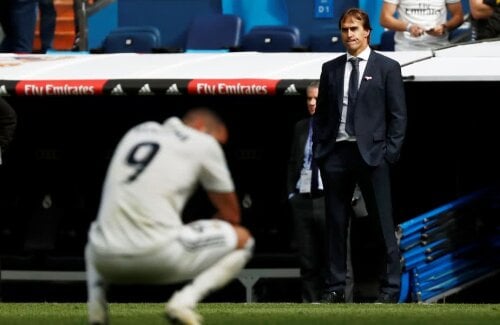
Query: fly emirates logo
[232,87]
[50,89]
[60,88]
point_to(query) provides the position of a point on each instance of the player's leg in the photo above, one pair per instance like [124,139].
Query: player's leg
[223,269]
[96,292]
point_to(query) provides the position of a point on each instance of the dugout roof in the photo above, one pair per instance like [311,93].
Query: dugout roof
[233,73]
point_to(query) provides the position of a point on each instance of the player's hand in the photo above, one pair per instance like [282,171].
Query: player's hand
[416,30]
[437,31]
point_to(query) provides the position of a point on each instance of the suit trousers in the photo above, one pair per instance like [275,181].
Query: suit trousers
[341,169]
[308,215]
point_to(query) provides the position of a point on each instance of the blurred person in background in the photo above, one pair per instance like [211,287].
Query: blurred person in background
[139,236]
[5,17]
[8,123]
[19,18]
[485,18]
[48,15]
[19,26]
[421,24]
[307,204]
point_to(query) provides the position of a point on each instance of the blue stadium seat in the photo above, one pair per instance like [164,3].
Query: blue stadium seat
[286,28]
[326,42]
[387,41]
[132,39]
[279,38]
[214,32]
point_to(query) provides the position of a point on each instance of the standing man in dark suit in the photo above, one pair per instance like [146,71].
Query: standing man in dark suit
[308,205]
[359,148]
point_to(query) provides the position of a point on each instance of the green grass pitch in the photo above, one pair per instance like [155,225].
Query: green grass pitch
[260,313]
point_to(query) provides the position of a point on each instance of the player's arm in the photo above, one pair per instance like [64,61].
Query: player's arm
[227,205]
[456,14]
[388,20]
[482,9]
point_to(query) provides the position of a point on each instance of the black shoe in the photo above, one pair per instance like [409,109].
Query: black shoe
[387,298]
[333,297]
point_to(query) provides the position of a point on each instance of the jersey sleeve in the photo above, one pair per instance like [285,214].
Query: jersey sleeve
[215,175]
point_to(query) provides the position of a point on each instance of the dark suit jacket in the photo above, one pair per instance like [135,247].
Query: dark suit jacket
[296,159]
[380,113]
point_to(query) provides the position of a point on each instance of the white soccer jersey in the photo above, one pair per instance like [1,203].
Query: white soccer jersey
[425,13]
[153,172]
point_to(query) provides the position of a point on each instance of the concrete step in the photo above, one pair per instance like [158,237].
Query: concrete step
[62,42]
[64,8]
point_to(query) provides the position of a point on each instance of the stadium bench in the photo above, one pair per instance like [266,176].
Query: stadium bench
[248,277]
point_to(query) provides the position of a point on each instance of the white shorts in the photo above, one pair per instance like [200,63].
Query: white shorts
[194,248]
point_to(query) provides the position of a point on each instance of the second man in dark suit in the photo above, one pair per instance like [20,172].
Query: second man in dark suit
[364,154]
[308,206]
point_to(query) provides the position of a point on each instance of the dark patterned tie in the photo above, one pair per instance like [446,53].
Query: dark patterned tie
[314,177]
[351,96]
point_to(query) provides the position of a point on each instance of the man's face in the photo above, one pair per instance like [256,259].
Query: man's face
[312,96]
[354,36]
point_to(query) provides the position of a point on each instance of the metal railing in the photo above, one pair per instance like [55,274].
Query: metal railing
[83,10]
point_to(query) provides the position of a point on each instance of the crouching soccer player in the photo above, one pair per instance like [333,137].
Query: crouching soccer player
[139,237]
